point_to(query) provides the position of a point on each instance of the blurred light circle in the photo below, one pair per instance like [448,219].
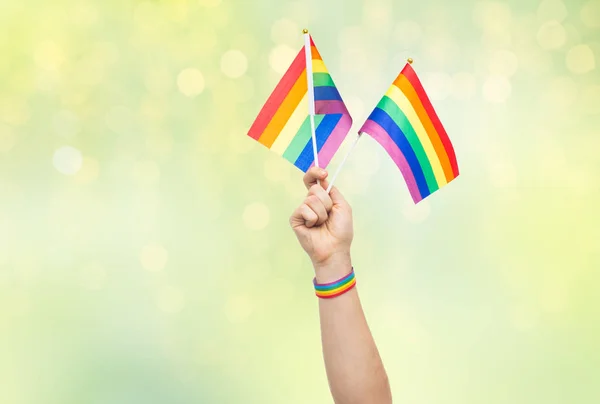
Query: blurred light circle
[67,160]
[464,86]
[256,216]
[552,10]
[503,63]
[93,276]
[580,59]
[154,257]
[285,31]
[190,82]
[497,89]
[7,138]
[551,35]
[170,300]
[66,123]
[590,13]
[281,58]
[48,55]
[438,85]
[234,64]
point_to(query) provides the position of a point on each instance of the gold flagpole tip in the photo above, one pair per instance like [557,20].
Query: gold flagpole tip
[410,60]
[305,31]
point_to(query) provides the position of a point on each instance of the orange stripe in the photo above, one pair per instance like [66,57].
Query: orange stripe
[404,85]
[285,111]
[315,53]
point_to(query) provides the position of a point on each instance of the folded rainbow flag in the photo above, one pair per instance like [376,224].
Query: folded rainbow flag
[283,125]
[406,125]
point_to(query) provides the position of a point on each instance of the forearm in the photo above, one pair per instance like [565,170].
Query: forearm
[354,367]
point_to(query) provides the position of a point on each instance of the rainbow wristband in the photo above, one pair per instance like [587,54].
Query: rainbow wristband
[337,288]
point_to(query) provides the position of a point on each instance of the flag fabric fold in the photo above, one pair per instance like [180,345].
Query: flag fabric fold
[283,124]
[406,125]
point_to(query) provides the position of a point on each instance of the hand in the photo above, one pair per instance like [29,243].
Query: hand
[323,225]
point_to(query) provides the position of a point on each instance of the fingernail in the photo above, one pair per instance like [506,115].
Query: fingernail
[323,172]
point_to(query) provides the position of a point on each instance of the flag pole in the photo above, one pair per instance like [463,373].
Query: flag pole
[410,61]
[311,94]
[342,163]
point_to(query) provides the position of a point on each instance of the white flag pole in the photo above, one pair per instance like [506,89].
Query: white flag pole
[342,163]
[311,95]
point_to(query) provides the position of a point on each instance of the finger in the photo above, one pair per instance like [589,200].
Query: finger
[323,196]
[303,216]
[314,174]
[317,206]
[336,196]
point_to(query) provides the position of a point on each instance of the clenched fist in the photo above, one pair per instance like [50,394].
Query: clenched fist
[323,225]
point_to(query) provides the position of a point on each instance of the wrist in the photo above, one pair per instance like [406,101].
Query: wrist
[335,267]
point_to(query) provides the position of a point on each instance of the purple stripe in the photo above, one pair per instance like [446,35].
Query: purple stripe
[334,141]
[330,107]
[375,130]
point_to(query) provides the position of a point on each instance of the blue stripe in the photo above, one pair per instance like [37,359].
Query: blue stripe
[327,94]
[396,134]
[327,125]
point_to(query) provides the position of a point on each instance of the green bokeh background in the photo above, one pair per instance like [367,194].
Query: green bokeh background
[145,254]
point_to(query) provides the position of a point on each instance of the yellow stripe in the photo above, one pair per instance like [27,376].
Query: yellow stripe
[400,98]
[285,111]
[319,66]
[337,290]
[290,130]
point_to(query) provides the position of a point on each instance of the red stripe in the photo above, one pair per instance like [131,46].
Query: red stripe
[338,293]
[413,79]
[276,99]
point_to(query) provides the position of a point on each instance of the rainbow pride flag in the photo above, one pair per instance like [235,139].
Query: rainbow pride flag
[406,125]
[284,123]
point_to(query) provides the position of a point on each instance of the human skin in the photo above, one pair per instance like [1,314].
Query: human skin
[323,225]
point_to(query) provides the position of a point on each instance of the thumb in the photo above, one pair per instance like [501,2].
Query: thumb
[336,196]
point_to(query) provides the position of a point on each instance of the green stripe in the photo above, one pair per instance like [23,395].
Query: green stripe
[323,80]
[392,109]
[301,139]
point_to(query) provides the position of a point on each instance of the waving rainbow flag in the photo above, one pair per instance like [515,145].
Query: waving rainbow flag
[406,125]
[305,93]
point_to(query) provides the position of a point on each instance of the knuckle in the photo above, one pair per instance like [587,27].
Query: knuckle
[312,199]
[315,189]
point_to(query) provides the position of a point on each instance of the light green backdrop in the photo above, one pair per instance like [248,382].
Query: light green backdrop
[145,254]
